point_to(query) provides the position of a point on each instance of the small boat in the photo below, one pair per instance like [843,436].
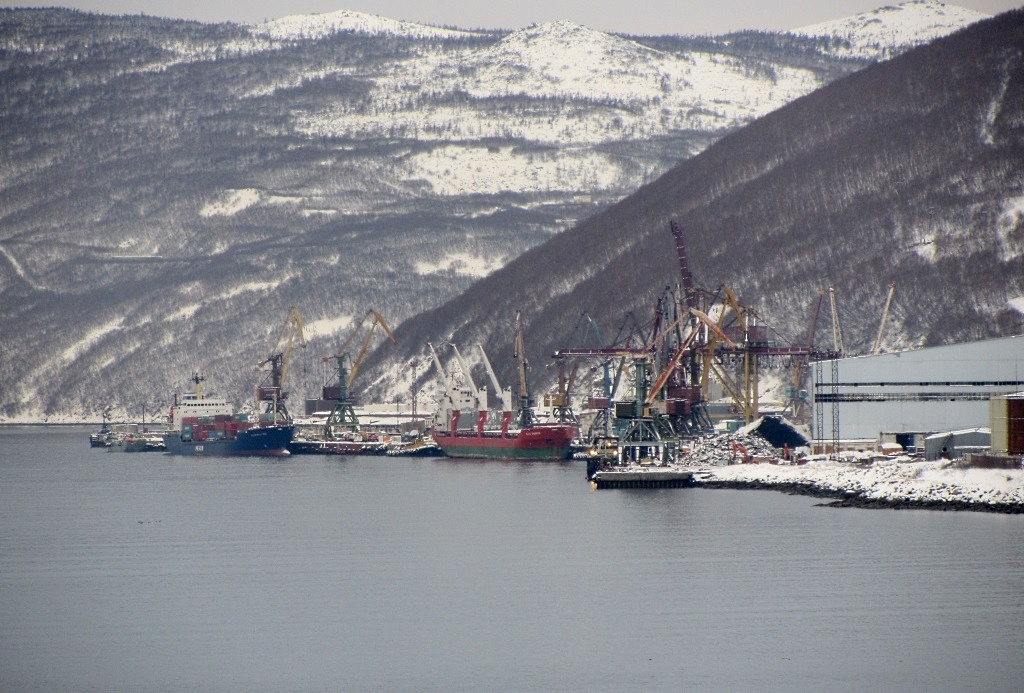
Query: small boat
[101,438]
[415,446]
[128,442]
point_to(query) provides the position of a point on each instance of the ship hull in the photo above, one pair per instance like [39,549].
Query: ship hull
[132,445]
[334,447]
[538,442]
[260,441]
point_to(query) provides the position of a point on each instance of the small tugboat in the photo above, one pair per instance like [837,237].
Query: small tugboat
[201,425]
[101,438]
[415,445]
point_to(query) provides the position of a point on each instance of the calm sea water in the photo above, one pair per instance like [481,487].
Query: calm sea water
[147,572]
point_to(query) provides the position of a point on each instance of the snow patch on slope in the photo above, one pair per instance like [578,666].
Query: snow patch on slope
[316,26]
[264,287]
[890,30]
[184,313]
[230,202]
[1010,229]
[462,263]
[459,170]
[325,327]
[90,339]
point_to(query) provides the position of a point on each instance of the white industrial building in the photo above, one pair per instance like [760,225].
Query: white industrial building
[908,395]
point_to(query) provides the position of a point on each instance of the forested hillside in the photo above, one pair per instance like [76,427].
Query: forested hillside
[170,189]
[909,171]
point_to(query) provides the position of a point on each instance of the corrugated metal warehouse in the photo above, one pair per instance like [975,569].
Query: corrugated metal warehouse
[920,392]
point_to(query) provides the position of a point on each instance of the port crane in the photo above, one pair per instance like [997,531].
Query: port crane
[342,413]
[280,357]
[877,346]
[522,365]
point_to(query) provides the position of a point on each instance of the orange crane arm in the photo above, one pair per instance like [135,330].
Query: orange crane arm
[378,319]
[670,366]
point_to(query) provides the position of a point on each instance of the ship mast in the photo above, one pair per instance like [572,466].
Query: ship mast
[525,403]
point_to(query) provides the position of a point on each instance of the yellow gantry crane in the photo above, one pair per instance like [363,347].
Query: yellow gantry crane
[343,414]
[280,357]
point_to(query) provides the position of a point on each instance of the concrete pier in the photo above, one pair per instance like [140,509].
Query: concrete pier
[641,477]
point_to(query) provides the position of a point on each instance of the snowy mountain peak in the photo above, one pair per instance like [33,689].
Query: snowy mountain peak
[540,41]
[316,26]
[893,29]
[560,58]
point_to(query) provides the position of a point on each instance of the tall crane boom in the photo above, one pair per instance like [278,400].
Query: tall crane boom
[877,346]
[684,266]
[837,332]
[343,415]
[519,353]
[279,360]
[378,319]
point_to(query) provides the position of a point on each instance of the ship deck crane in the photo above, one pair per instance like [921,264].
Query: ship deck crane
[504,393]
[279,360]
[480,397]
[441,370]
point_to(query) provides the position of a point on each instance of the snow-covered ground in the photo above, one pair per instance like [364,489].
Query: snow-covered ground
[900,481]
[892,29]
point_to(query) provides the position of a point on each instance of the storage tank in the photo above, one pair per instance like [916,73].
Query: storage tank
[1007,414]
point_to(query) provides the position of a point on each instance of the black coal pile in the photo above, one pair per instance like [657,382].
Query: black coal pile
[777,431]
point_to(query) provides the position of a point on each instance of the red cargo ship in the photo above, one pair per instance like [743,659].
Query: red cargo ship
[528,440]
[539,441]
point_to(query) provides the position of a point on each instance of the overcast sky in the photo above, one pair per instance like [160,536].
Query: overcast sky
[623,16]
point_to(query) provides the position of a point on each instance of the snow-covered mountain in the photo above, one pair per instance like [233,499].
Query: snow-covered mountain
[170,188]
[907,171]
[890,30]
[318,26]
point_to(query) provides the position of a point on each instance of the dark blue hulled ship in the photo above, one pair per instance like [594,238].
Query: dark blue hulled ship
[202,425]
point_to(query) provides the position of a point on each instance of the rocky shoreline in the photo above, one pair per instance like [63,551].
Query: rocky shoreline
[845,498]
